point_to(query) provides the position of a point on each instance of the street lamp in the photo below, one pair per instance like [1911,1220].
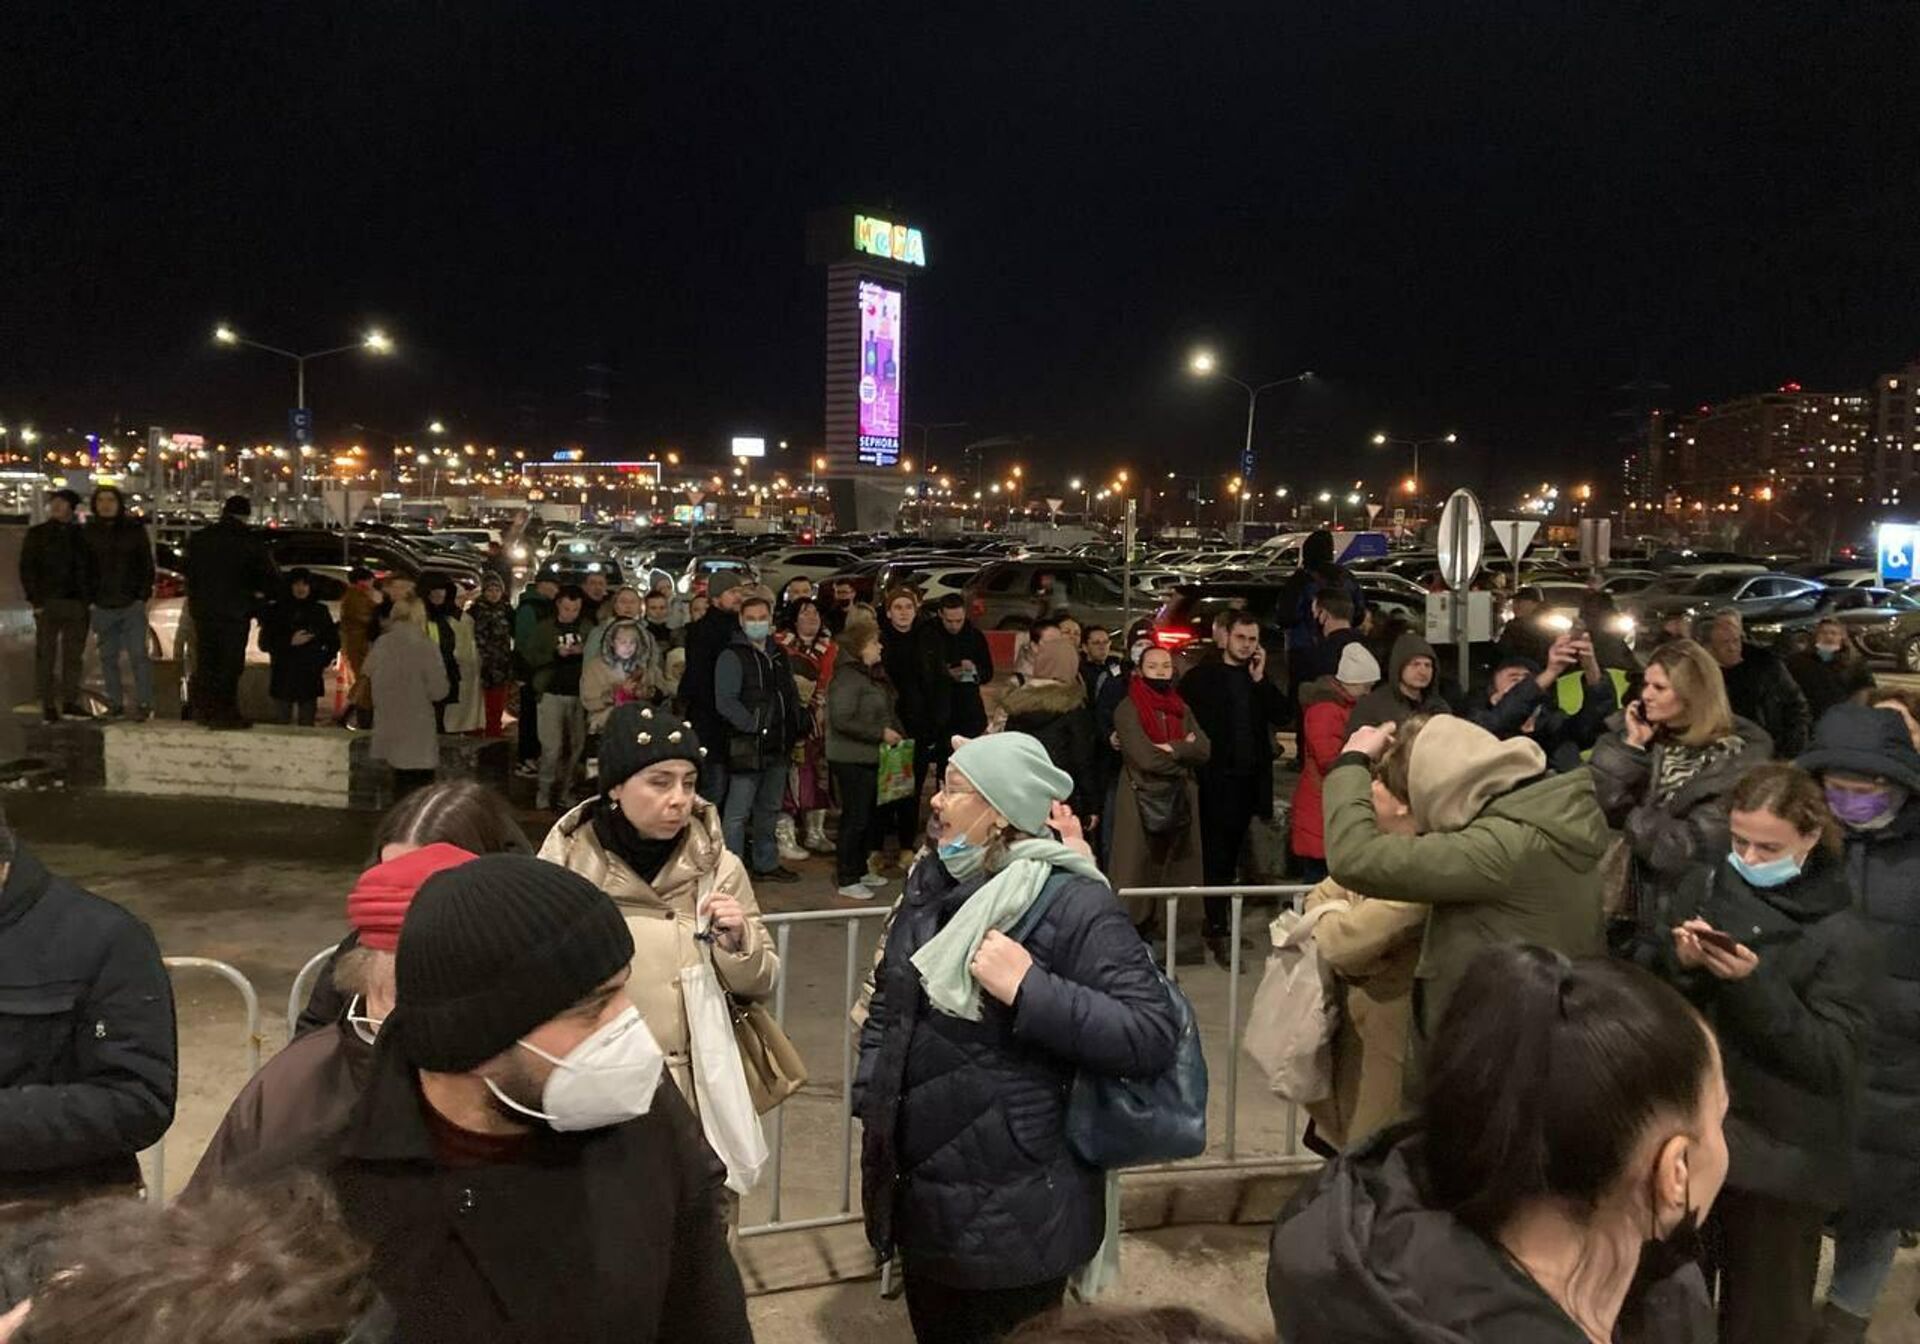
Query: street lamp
[374,342]
[1203,364]
[1382,439]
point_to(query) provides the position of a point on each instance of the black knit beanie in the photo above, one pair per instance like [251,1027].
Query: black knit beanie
[636,737]
[493,948]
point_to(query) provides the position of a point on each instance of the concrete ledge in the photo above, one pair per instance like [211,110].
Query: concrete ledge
[310,767]
[1153,1198]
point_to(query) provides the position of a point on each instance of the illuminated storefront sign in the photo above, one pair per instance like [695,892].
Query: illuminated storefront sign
[879,386]
[894,242]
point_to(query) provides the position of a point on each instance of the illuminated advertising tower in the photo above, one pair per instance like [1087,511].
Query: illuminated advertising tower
[870,260]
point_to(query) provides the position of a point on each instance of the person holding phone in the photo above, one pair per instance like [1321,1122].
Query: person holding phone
[1662,776]
[1771,951]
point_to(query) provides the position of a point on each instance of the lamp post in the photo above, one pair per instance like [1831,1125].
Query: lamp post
[1203,364]
[375,342]
[1381,440]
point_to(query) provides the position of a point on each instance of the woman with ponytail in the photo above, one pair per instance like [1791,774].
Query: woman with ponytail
[1568,1147]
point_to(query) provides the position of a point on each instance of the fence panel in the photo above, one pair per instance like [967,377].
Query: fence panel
[157,1179]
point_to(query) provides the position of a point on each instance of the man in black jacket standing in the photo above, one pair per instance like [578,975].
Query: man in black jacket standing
[229,575]
[1238,708]
[706,639]
[87,1044]
[1759,687]
[968,663]
[119,582]
[53,571]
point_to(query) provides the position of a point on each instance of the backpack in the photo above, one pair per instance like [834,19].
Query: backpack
[1125,1122]
[1295,1011]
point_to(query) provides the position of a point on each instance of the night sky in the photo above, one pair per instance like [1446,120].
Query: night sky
[1483,217]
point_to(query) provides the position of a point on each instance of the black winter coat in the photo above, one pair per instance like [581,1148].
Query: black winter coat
[1561,735]
[964,1160]
[613,1234]
[1883,869]
[1826,684]
[1665,840]
[1760,688]
[706,638]
[912,660]
[1057,715]
[1793,1033]
[1361,1256]
[298,670]
[87,1045]
[53,563]
[229,571]
[119,561]
[1205,691]
[965,713]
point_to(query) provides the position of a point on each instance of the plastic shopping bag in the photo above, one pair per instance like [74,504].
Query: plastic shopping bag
[896,772]
[727,1112]
[1295,1011]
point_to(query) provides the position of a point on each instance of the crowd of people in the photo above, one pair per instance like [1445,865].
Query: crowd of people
[1625,1001]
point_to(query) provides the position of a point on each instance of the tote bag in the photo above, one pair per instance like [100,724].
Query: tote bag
[1291,1025]
[896,772]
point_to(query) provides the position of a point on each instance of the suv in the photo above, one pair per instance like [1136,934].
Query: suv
[783,564]
[1755,596]
[315,547]
[1005,594]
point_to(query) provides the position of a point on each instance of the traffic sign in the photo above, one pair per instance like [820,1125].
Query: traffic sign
[300,424]
[1460,539]
[1596,541]
[1373,512]
[1896,544]
[1514,535]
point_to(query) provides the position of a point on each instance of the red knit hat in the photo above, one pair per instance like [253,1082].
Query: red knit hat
[377,905]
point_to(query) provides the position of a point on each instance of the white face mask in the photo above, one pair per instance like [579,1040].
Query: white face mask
[607,1079]
[366,1028]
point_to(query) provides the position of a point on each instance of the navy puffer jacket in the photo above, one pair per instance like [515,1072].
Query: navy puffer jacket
[965,1165]
[1883,868]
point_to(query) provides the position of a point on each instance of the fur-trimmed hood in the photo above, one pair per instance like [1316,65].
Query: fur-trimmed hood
[1049,698]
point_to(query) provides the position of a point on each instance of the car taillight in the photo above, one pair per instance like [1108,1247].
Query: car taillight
[977,607]
[1171,638]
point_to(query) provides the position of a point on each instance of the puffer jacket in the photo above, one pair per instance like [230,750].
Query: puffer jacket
[1883,869]
[1665,839]
[1506,853]
[964,1160]
[661,916]
[1056,713]
[1360,1256]
[1793,1033]
[1325,708]
[493,638]
[859,712]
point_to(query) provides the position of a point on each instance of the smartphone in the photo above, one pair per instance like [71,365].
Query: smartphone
[1714,938]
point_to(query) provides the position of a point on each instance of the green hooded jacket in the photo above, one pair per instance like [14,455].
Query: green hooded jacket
[1506,853]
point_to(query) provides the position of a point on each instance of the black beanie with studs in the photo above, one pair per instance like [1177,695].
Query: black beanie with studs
[636,736]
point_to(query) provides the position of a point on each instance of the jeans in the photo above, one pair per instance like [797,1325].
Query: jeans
[295,711]
[1862,1258]
[757,792]
[60,637]
[124,629]
[563,732]
[1226,813]
[858,787]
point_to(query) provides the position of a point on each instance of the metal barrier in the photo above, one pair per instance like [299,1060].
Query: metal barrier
[157,1184]
[302,984]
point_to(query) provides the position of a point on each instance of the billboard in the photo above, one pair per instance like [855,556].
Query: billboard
[749,447]
[879,385]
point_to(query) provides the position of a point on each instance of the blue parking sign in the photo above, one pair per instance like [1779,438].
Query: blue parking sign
[300,424]
[1896,544]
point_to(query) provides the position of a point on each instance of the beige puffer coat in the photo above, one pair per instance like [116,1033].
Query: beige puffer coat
[661,916]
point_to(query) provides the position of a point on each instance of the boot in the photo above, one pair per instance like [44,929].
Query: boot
[817,831]
[786,840]
[1840,1327]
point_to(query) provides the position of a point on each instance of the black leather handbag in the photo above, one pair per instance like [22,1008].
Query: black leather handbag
[1163,806]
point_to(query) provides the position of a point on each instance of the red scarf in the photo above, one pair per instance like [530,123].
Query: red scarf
[1163,714]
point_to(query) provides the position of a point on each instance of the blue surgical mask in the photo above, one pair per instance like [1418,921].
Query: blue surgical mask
[757,629]
[961,857]
[1773,873]
[1826,654]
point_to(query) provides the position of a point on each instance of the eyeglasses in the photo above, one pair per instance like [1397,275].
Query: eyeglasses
[952,790]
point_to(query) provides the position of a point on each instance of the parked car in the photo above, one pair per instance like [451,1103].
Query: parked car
[783,564]
[1756,596]
[1003,595]
[1880,623]
[317,548]
[1851,578]
[572,566]
[702,568]
[165,614]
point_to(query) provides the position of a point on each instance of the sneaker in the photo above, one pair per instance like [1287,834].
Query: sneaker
[776,874]
[875,880]
[141,714]
[855,891]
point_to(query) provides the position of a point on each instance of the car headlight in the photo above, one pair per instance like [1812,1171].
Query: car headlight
[519,552]
[1624,626]
[1557,621]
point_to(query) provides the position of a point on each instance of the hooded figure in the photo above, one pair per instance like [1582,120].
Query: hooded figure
[1053,708]
[1504,852]
[1522,700]
[617,673]
[298,637]
[1392,701]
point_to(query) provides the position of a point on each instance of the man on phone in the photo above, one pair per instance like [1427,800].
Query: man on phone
[1522,700]
[969,663]
[1238,709]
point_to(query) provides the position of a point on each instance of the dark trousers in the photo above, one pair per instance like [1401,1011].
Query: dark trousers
[59,638]
[1765,1252]
[902,818]
[406,781]
[946,1315]
[858,786]
[302,712]
[220,646]
[528,713]
[1226,813]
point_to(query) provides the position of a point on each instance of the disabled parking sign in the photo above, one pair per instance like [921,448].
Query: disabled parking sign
[1896,545]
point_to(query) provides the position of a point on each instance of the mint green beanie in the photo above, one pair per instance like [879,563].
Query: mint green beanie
[1013,773]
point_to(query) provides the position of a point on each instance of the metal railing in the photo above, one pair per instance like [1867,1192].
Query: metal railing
[157,1179]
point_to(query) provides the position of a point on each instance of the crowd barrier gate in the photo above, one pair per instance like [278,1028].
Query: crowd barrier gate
[157,1174]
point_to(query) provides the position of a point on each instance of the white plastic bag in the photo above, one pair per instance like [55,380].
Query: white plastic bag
[719,1079]
[1295,1013]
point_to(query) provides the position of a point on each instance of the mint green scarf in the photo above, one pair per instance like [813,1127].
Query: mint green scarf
[944,961]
